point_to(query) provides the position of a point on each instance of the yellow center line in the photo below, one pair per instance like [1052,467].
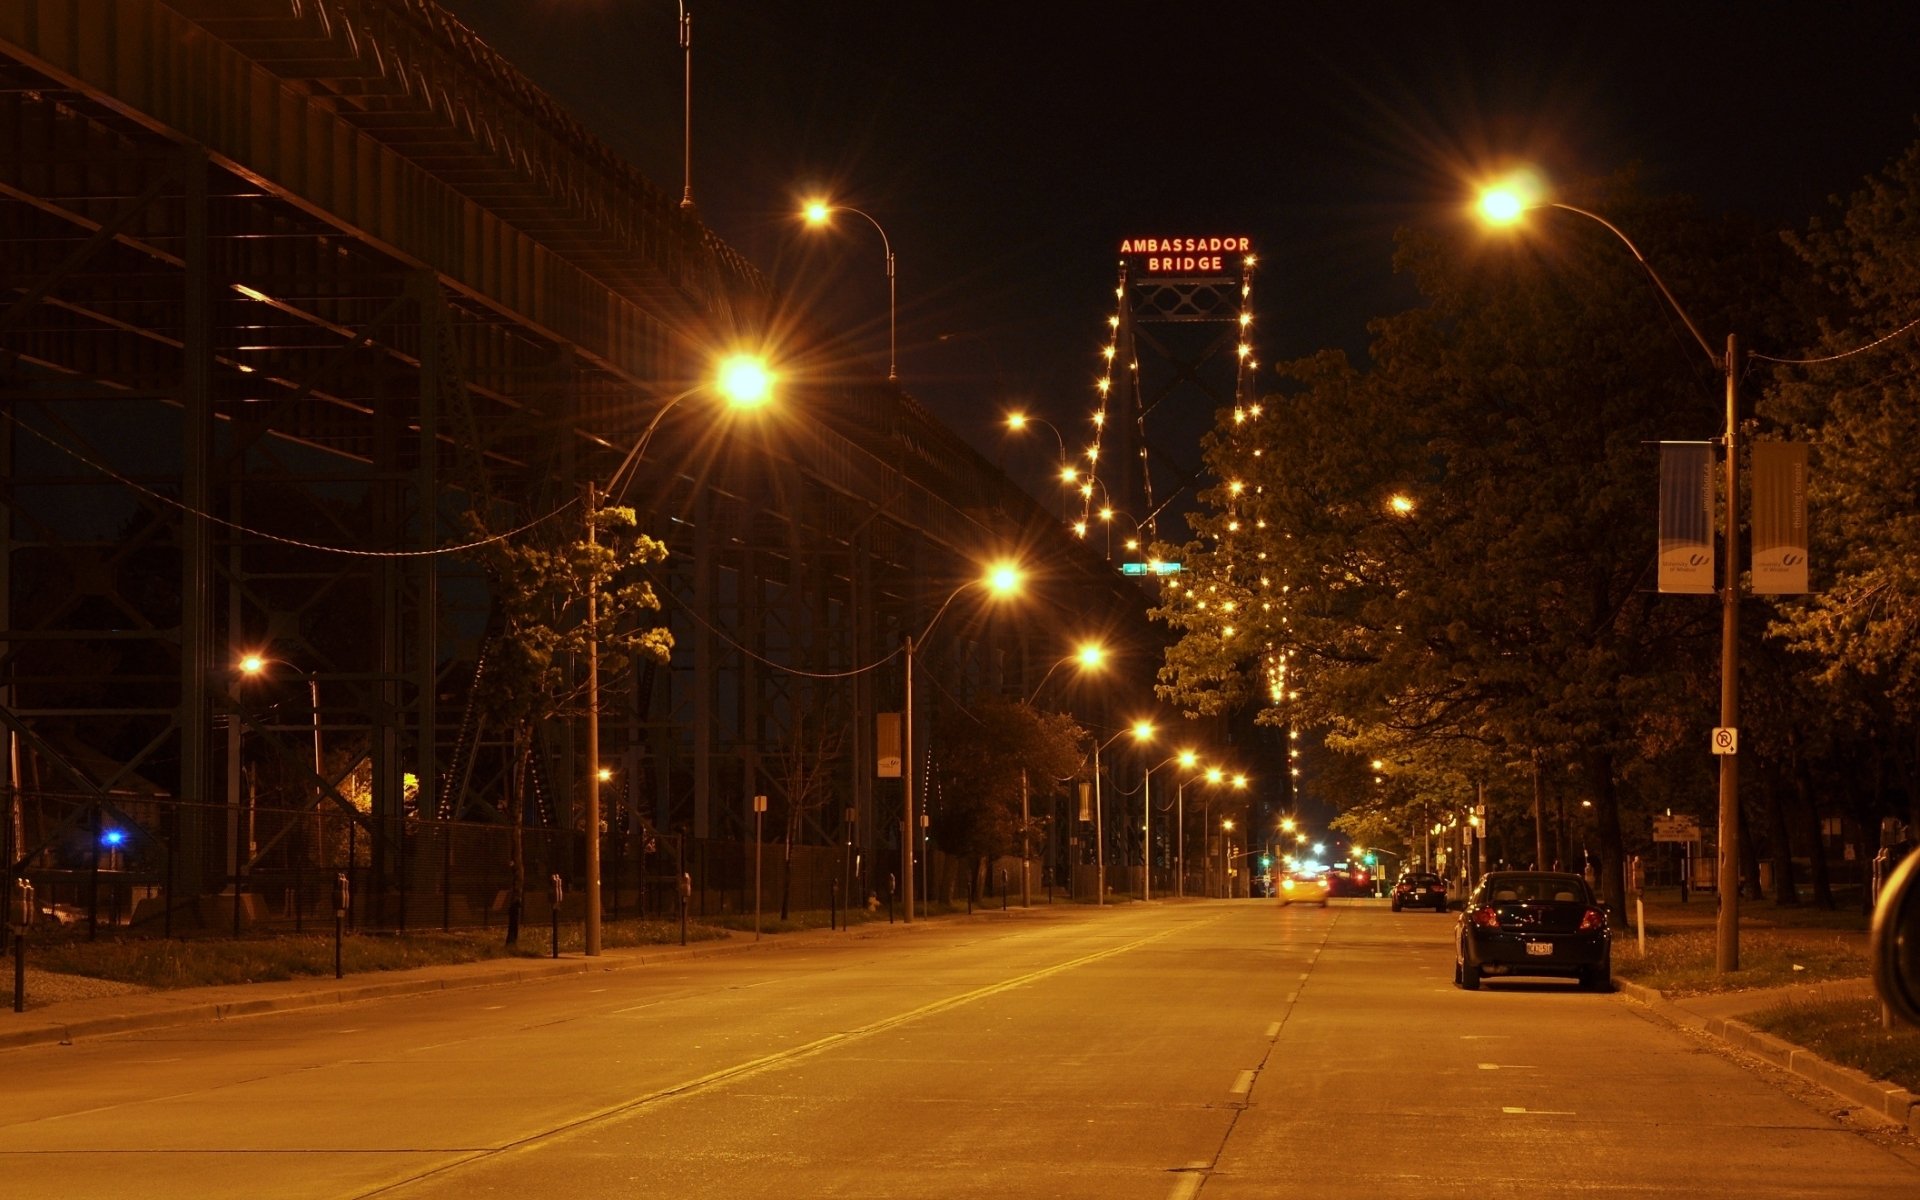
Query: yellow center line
[781,1058]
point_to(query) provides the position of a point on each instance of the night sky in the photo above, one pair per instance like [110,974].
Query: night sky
[1006,149]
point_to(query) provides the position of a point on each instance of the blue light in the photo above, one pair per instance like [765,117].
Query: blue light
[113,837]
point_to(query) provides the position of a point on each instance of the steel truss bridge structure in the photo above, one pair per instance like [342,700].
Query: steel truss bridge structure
[297,294]
[1182,353]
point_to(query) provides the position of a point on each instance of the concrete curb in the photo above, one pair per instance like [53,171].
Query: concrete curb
[52,1030]
[1877,1096]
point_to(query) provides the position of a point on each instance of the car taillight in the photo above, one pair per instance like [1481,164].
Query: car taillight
[1485,917]
[1592,919]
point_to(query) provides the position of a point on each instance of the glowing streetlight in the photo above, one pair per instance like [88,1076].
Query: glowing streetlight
[744,381]
[820,212]
[1001,579]
[1505,204]
[1090,656]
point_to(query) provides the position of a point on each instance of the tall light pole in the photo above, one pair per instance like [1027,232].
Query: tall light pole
[1185,758]
[1188,760]
[1507,204]
[819,212]
[686,106]
[744,382]
[1003,579]
[1141,730]
[1018,421]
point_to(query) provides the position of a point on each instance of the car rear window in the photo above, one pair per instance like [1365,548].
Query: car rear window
[1520,888]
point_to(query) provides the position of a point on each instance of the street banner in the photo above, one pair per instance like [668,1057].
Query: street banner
[1686,517]
[1779,518]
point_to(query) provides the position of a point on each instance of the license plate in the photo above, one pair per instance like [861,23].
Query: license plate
[1540,948]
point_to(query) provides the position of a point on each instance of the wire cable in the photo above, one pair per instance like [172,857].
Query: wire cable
[184,507]
[1805,362]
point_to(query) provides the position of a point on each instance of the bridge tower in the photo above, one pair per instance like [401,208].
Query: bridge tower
[1181,351]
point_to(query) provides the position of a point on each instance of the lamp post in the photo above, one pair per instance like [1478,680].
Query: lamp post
[1189,760]
[251,665]
[1141,730]
[819,212]
[1505,205]
[1090,656]
[744,382]
[686,106]
[1185,758]
[1018,421]
[1003,579]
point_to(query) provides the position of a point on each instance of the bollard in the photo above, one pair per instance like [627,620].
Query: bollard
[1003,889]
[342,896]
[20,913]
[686,897]
[556,891]
[891,885]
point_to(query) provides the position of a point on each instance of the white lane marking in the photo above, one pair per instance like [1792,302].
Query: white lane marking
[1303,977]
[1508,1067]
[1186,1187]
[346,1031]
[1540,1112]
[1291,997]
[1484,1037]
[1273,1031]
[1243,1084]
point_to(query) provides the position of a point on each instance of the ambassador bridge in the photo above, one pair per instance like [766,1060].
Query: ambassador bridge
[296,296]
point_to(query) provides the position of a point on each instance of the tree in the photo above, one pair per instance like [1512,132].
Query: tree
[539,589]
[1858,402]
[806,764]
[1448,554]
[989,752]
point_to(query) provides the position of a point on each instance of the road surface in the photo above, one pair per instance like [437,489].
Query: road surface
[1201,1049]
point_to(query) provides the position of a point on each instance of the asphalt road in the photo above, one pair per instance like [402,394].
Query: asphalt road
[1217,1050]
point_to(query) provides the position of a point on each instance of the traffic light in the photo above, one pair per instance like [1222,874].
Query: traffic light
[1266,862]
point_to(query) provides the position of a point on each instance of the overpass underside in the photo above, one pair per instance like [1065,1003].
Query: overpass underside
[295,296]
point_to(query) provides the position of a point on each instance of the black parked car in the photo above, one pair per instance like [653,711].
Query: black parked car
[1419,889]
[1533,923]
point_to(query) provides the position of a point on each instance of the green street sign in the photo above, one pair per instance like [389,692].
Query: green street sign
[1152,568]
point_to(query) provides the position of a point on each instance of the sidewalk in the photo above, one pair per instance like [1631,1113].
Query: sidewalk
[1719,1016]
[128,1011]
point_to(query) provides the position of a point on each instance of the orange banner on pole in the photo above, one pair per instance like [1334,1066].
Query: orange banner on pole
[1779,518]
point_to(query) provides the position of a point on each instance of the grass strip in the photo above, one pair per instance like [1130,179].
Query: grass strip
[1847,1032]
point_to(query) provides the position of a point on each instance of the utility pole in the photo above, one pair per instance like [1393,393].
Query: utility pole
[1726,946]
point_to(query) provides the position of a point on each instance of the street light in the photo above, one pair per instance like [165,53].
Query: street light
[819,212]
[1141,730]
[1506,204]
[686,106]
[1001,579]
[744,381]
[1018,422]
[1090,656]
[251,665]
[1186,758]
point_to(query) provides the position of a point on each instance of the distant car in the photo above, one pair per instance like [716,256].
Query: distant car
[1533,923]
[1304,887]
[1419,889]
[1350,879]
